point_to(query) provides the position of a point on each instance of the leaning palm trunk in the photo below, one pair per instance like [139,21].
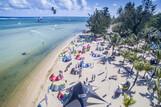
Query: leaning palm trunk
[137,75]
[158,92]
[113,48]
[153,74]
[122,64]
[132,68]
[144,74]
[123,61]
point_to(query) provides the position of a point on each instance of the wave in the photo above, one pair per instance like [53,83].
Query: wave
[35,31]
[7,18]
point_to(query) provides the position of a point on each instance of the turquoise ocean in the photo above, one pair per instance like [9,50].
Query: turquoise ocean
[25,42]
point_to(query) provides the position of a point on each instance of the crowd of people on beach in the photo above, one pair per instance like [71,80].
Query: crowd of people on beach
[76,52]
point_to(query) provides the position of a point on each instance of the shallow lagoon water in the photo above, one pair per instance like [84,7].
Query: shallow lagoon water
[36,42]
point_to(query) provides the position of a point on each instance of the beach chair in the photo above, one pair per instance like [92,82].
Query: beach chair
[113,77]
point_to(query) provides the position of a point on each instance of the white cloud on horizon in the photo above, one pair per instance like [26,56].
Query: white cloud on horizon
[43,7]
[44,4]
[18,4]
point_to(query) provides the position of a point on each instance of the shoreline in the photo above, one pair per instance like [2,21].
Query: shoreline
[27,92]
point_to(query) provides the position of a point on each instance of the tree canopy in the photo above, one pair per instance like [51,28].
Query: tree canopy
[155,21]
[99,21]
[132,19]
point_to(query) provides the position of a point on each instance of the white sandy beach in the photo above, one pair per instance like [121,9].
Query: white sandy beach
[105,88]
[35,87]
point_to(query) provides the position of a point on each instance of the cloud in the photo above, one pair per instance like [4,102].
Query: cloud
[114,4]
[84,4]
[40,4]
[44,4]
[72,4]
[18,4]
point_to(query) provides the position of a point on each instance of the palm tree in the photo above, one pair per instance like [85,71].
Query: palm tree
[132,57]
[114,40]
[145,48]
[147,68]
[128,101]
[157,87]
[125,55]
[158,55]
[139,66]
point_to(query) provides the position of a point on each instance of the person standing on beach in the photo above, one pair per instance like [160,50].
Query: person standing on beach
[60,74]
[80,73]
[93,77]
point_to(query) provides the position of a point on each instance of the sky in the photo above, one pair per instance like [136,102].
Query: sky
[27,8]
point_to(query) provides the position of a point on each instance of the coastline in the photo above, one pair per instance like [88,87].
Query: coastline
[27,92]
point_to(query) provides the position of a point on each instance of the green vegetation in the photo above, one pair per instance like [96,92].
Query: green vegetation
[128,101]
[133,19]
[139,66]
[99,21]
[155,21]
[158,85]
[136,32]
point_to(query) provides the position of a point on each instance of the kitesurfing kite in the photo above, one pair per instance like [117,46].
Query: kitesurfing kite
[54,10]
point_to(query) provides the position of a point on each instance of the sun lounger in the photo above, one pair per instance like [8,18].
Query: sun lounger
[113,77]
